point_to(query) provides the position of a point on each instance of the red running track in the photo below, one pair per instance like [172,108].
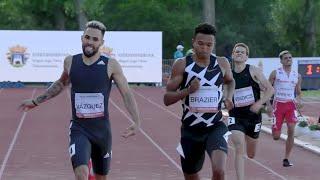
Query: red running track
[34,145]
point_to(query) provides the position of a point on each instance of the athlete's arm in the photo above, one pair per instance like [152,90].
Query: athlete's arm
[228,81]
[55,89]
[298,92]
[115,73]
[265,87]
[172,94]
[272,78]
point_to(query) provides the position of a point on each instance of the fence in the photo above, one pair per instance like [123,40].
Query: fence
[166,70]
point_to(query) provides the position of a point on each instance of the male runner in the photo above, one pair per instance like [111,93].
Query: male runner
[197,80]
[90,75]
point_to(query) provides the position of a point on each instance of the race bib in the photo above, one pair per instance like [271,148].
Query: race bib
[243,97]
[284,91]
[283,94]
[257,128]
[89,105]
[231,120]
[206,99]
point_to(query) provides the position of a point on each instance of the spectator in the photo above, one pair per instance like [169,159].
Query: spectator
[179,53]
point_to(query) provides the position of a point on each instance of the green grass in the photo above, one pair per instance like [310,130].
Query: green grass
[312,93]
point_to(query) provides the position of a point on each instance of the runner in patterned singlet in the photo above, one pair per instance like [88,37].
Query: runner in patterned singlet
[197,80]
[287,85]
[90,75]
[244,120]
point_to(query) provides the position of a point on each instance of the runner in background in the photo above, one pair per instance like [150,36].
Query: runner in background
[244,120]
[287,85]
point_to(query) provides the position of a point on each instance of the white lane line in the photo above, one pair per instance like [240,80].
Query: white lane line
[310,102]
[308,146]
[262,165]
[174,114]
[158,105]
[13,141]
[148,137]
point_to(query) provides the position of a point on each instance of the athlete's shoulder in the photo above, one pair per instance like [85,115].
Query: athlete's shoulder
[221,58]
[179,65]
[254,68]
[68,58]
[113,62]
[223,62]
[68,61]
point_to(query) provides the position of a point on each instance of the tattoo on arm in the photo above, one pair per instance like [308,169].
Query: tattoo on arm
[51,92]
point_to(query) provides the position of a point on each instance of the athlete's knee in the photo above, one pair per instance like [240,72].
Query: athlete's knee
[251,155]
[276,138]
[290,131]
[218,173]
[81,172]
[237,143]
[100,177]
[276,135]
[191,176]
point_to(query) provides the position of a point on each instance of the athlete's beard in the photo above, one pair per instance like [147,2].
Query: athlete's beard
[89,52]
[202,55]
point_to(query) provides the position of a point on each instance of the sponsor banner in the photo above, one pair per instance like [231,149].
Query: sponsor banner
[37,56]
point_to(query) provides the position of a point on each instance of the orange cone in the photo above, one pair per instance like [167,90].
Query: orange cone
[91,173]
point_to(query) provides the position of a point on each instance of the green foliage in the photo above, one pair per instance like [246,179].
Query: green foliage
[290,22]
[245,21]
[267,26]
[314,127]
[311,93]
[175,18]
[303,124]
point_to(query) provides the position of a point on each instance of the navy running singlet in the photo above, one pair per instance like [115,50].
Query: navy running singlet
[90,90]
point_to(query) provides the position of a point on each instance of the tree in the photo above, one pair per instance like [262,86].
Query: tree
[244,21]
[296,25]
[175,18]
[209,11]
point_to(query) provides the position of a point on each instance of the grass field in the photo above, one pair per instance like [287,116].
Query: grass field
[311,93]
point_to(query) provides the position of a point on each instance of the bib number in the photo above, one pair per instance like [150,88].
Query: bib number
[206,99]
[89,105]
[243,97]
[257,127]
[231,120]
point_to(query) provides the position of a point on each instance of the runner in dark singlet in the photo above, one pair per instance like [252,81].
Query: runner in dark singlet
[197,80]
[244,120]
[90,75]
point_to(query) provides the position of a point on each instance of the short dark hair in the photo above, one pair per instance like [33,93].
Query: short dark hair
[97,25]
[205,28]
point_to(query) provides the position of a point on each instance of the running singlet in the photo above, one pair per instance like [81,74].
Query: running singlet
[247,91]
[90,89]
[285,85]
[201,109]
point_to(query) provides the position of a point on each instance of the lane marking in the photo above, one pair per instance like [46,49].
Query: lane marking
[148,137]
[13,141]
[174,114]
[308,146]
